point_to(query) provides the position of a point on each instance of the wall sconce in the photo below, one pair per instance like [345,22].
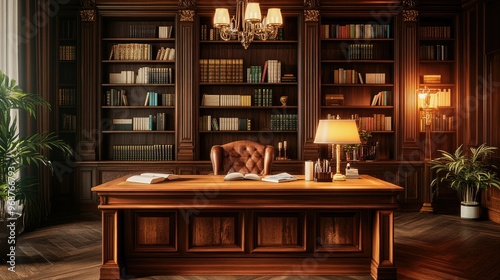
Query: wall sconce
[427,103]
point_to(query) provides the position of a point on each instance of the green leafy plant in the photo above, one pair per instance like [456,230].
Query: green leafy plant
[467,173]
[17,152]
[364,135]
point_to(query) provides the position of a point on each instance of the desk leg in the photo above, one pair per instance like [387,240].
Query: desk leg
[383,246]
[110,268]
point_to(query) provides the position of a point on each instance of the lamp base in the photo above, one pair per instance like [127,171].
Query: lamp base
[338,177]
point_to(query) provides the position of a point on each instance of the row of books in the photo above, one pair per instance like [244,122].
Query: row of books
[209,123]
[165,54]
[152,122]
[334,99]
[153,99]
[67,53]
[431,79]
[379,122]
[130,51]
[143,152]
[284,122]
[214,70]
[382,98]
[439,122]
[165,31]
[359,51]
[149,31]
[155,75]
[116,97]
[226,100]
[355,31]
[434,32]
[438,98]
[347,76]
[273,69]
[437,52]
[67,97]
[68,122]
[263,97]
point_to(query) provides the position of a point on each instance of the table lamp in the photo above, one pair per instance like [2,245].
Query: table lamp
[337,132]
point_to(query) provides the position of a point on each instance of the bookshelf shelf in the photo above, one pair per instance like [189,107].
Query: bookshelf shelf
[357,85]
[247,131]
[355,107]
[360,61]
[249,84]
[137,131]
[139,61]
[250,107]
[138,85]
[138,107]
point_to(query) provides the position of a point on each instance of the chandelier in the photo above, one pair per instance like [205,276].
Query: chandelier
[247,24]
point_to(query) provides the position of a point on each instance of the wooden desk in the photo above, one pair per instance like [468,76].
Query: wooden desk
[203,225]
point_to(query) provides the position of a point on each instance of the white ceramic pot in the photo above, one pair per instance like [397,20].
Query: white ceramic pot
[469,211]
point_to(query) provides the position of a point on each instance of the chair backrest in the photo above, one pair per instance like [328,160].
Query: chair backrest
[242,156]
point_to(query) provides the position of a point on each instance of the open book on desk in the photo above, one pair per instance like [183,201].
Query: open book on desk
[151,178]
[240,176]
[278,178]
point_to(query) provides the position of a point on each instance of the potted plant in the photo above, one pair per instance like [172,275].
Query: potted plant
[17,152]
[468,174]
[364,136]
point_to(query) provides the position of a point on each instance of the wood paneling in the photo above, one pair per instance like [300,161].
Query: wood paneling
[339,231]
[215,230]
[279,230]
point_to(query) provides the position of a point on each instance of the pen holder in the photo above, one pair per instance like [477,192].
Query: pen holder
[322,176]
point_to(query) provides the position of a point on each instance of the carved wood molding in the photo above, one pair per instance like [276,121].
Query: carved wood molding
[410,12]
[187,15]
[311,15]
[187,4]
[87,13]
[311,4]
[410,15]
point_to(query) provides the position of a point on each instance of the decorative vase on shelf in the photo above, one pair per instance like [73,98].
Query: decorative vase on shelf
[283,100]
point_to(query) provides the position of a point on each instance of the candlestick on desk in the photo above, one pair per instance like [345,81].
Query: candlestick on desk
[284,148]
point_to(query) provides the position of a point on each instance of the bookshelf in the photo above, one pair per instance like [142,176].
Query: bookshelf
[438,76]
[235,102]
[67,78]
[137,87]
[358,77]
[65,101]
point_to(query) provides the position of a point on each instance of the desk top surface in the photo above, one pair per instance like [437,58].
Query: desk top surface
[194,183]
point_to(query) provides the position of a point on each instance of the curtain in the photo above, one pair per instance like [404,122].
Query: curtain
[9,44]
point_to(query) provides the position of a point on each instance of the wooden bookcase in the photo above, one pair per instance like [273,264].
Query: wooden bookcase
[65,100]
[438,76]
[132,44]
[357,63]
[222,71]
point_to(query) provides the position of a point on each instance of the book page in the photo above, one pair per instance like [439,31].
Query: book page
[145,179]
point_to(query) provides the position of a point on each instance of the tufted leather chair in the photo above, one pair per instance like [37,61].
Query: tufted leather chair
[242,156]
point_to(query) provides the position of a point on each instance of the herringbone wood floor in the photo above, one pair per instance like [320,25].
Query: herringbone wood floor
[427,246]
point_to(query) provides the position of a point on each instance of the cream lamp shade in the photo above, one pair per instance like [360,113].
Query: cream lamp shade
[274,16]
[221,17]
[337,132]
[252,12]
